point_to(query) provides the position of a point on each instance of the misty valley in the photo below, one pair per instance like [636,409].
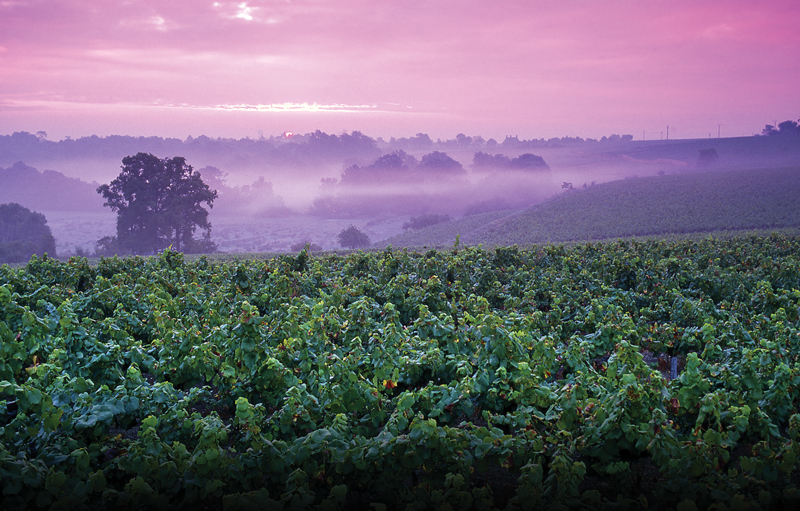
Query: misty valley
[277,194]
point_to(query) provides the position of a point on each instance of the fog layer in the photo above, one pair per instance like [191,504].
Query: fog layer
[277,191]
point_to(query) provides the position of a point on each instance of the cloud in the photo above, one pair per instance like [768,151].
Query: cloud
[291,107]
[245,12]
[62,104]
[242,11]
[297,107]
[153,22]
[158,22]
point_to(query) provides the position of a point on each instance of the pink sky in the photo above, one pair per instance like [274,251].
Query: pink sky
[398,67]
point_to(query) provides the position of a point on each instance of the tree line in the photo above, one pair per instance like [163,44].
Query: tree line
[297,150]
[784,128]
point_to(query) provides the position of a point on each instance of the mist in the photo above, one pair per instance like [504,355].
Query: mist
[276,192]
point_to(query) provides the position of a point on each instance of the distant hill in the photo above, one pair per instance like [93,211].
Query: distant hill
[48,190]
[680,203]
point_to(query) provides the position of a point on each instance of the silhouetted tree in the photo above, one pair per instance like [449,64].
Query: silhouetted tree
[107,246]
[159,203]
[352,237]
[419,141]
[707,157]
[528,161]
[788,128]
[354,144]
[23,233]
[389,167]
[484,161]
[463,140]
[440,163]
[784,128]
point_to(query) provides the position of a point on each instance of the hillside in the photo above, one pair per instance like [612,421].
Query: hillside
[680,203]
[47,190]
[267,207]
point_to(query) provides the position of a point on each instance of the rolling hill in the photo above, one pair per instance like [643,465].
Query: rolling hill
[681,203]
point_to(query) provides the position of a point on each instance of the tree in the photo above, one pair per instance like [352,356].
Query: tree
[440,163]
[707,157]
[788,128]
[485,161]
[158,204]
[352,237]
[23,233]
[784,128]
[389,168]
[528,161]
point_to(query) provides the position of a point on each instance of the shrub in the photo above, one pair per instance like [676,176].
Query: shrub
[23,233]
[352,237]
[707,157]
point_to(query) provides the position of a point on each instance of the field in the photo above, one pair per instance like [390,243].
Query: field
[723,200]
[632,188]
[717,202]
[233,235]
[632,375]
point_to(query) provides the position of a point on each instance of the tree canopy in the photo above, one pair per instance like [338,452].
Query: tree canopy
[353,237]
[438,162]
[784,128]
[527,161]
[392,167]
[23,233]
[158,204]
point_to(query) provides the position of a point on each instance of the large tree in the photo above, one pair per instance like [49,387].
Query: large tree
[23,233]
[158,204]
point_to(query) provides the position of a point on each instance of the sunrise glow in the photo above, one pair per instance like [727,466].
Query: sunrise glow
[535,69]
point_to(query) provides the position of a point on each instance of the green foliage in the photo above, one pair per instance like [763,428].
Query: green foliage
[23,233]
[406,380]
[300,245]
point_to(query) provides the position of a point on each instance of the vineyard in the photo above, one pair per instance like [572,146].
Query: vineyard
[626,375]
[720,200]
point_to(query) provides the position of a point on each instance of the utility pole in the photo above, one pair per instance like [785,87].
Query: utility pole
[719,128]
[667,131]
[642,134]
